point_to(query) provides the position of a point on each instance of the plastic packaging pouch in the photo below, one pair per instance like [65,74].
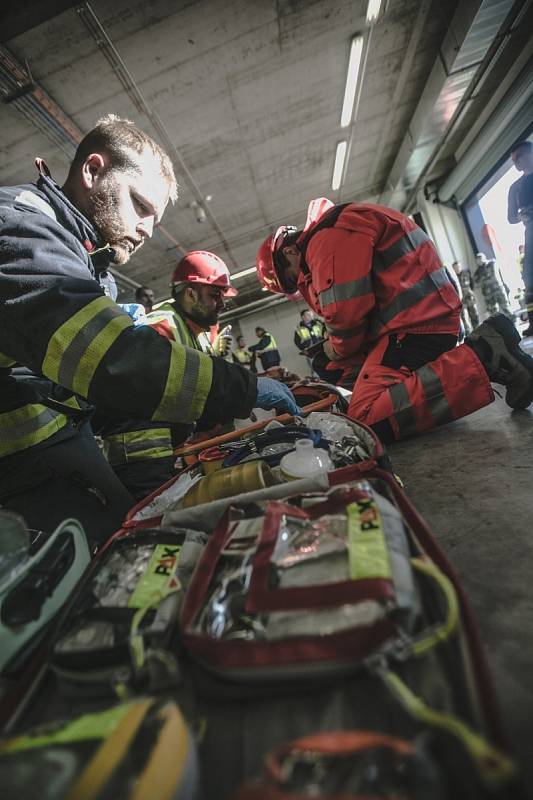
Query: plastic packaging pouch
[288,590]
[345,765]
[34,592]
[139,749]
[121,626]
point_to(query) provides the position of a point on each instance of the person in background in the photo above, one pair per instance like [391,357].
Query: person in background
[309,331]
[241,355]
[266,348]
[520,259]
[495,291]
[520,209]
[145,297]
[392,311]
[58,324]
[469,313]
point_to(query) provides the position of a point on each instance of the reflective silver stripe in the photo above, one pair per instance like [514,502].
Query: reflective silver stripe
[20,429]
[82,340]
[189,383]
[406,244]
[409,298]
[119,451]
[435,397]
[346,291]
[146,445]
[345,333]
[403,409]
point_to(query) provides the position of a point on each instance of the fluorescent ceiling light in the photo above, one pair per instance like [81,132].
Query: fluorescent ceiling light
[351,80]
[242,273]
[372,11]
[340,155]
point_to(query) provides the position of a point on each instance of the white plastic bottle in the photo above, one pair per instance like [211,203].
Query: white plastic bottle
[305,460]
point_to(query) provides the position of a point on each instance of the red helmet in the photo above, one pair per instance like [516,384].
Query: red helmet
[200,266]
[267,270]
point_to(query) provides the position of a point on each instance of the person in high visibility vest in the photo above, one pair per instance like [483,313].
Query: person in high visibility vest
[77,348]
[141,452]
[266,348]
[309,331]
[392,313]
[241,355]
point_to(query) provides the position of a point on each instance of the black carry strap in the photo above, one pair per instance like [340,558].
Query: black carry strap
[328,221]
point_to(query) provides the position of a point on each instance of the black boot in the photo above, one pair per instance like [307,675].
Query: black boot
[496,344]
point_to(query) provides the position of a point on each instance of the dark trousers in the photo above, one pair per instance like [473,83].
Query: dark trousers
[69,479]
[141,478]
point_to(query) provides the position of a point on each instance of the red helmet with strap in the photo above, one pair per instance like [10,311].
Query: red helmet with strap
[268,272]
[201,266]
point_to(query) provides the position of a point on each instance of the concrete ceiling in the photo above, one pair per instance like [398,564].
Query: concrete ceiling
[249,94]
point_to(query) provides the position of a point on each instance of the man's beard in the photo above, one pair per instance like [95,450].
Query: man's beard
[105,215]
[205,319]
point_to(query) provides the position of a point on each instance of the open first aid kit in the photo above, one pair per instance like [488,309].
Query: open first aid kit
[326,642]
[339,586]
[253,459]
[286,590]
[119,630]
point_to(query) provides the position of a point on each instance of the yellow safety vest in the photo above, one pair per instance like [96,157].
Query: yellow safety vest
[242,356]
[271,346]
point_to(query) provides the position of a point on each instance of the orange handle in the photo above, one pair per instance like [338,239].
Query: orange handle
[185,450]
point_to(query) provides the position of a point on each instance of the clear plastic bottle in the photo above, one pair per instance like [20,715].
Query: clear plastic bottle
[305,460]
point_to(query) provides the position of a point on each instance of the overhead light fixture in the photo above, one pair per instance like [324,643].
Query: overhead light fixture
[352,77]
[242,273]
[338,168]
[372,11]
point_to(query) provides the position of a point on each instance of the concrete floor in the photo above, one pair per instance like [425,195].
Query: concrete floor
[472,482]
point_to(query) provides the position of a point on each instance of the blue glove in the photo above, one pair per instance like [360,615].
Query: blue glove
[136,312]
[273,394]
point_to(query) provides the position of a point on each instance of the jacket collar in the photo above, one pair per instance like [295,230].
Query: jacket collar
[70,218]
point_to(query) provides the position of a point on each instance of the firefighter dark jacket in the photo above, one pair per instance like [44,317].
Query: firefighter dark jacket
[56,321]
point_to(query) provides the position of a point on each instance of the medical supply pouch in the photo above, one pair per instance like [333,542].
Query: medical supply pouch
[279,604]
[347,765]
[120,628]
[33,591]
[140,750]
[284,591]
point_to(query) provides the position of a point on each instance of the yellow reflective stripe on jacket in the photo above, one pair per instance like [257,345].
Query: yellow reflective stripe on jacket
[76,349]
[189,378]
[121,448]
[27,426]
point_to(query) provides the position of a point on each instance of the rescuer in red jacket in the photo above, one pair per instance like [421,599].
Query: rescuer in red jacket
[392,318]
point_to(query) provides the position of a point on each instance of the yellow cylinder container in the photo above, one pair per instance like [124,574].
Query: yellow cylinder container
[247,477]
